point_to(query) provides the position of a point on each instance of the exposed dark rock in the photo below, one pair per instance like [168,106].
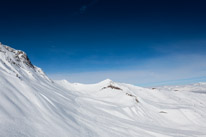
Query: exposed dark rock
[112,87]
[130,95]
[136,100]
[162,112]
[18,76]
[19,56]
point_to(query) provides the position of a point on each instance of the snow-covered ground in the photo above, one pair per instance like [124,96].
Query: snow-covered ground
[32,105]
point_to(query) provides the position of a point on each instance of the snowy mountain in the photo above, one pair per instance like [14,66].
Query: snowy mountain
[32,105]
[17,63]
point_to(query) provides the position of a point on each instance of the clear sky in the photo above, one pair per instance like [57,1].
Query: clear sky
[142,42]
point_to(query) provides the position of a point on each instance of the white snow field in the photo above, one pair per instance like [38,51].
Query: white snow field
[32,105]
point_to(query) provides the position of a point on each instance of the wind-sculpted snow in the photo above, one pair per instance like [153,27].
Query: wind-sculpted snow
[31,105]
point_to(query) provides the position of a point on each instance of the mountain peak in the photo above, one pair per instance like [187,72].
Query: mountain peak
[16,57]
[106,81]
[17,62]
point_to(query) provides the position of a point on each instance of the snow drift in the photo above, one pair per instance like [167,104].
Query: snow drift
[32,105]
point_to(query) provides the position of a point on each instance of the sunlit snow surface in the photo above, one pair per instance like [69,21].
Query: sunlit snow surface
[32,105]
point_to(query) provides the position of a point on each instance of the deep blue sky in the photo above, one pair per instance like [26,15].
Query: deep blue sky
[143,42]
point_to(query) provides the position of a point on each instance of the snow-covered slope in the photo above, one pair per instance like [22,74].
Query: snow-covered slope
[32,105]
